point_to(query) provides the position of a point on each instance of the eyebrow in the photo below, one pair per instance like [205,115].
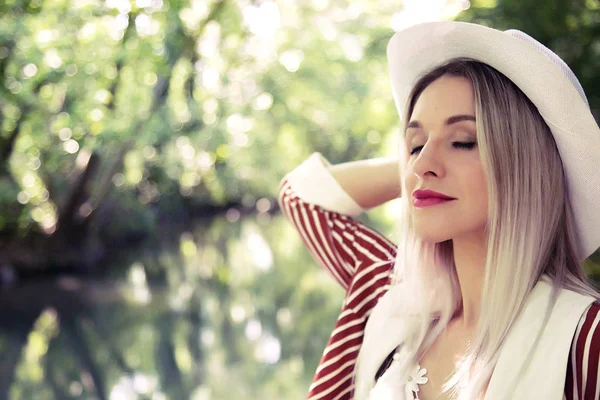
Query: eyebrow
[449,121]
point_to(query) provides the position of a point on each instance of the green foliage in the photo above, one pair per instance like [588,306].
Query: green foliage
[182,99]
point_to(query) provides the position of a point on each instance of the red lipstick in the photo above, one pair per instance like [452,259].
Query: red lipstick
[425,198]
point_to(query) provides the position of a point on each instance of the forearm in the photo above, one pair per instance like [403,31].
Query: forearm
[369,182]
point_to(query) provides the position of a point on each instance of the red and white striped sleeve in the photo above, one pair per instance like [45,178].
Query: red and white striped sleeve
[323,214]
[583,372]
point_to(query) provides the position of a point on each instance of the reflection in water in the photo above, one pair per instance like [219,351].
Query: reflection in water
[219,310]
[226,309]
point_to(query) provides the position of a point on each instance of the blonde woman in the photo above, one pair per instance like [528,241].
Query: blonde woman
[483,296]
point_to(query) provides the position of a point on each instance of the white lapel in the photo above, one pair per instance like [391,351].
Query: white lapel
[544,376]
[384,331]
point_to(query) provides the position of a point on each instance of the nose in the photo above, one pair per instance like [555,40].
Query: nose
[428,162]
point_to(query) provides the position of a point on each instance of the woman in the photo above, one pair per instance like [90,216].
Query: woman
[484,295]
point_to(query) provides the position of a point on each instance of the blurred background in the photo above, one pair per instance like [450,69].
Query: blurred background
[142,254]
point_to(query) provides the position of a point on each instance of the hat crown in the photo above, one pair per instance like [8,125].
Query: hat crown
[556,60]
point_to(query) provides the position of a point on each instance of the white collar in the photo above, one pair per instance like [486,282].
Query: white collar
[547,364]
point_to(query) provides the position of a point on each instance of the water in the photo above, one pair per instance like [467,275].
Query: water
[229,308]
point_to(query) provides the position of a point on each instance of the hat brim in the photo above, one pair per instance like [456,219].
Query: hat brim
[419,49]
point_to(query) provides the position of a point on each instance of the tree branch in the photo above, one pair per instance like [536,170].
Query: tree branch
[160,94]
[8,144]
[120,62]
[79,192]
[214,12]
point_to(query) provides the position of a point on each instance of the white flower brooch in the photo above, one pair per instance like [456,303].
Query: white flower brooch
[389,387]
[415,378]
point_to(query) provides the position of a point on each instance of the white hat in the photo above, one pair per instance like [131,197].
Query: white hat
[546,80]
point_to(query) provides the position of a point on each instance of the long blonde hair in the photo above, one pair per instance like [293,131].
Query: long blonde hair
[530,228]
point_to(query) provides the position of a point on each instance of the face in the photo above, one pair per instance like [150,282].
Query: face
[441,139]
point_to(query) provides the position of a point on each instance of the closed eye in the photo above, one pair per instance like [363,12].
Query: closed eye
[464,145]
[459,145]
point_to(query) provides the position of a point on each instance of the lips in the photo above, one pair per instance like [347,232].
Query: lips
[426,198]
[428,194]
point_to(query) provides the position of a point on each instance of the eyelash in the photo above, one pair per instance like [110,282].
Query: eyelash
[460,145]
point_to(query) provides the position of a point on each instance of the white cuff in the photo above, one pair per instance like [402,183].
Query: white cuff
[314,184]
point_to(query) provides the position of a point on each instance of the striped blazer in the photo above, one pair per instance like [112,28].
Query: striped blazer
[360,259]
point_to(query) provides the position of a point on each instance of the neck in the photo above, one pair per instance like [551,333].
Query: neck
[469,258]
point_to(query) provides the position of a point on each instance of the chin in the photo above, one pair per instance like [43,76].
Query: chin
[433,237]
[430,231]
[434,233]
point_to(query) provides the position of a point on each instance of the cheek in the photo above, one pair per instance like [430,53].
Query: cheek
[477,184]
[409,182]
[406,171]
